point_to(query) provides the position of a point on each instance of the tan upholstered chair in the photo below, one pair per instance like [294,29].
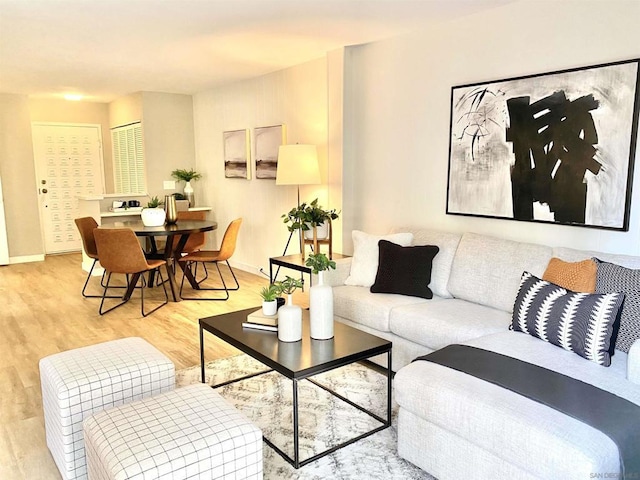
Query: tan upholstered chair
[86,226]
[227,248]
[120,252]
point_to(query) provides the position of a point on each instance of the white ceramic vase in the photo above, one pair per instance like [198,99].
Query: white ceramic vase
[188,193]
[290,322]
[321,310]
[322,231]
[270,308]
[153,217]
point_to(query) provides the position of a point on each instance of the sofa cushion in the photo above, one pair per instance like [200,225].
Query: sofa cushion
[512,426]
[404,270]
[578,322]
[364,264]
[487,270]
[447,243]
[615,278]
[437,324]
[361,306]
[575,276]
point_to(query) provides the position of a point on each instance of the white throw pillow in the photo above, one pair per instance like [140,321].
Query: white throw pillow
[364,264]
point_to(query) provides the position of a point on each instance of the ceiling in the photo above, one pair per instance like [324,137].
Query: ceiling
[104,49]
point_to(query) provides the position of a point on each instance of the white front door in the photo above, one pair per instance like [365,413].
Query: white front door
[68,160]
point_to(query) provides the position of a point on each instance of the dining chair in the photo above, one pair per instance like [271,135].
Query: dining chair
[86,226]
[227,249]
[120,252]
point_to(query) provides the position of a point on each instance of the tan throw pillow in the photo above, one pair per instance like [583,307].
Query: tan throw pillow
[574,276]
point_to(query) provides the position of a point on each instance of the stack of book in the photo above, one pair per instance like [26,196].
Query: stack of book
[260,321]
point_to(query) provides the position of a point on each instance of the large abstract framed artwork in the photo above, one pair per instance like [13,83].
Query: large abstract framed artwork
[557,147]
[268,141]
[237,153]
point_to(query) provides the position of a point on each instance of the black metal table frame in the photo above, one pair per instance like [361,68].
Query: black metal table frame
[295,461]
[293,266]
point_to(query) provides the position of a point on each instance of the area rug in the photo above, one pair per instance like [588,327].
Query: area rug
[324,419]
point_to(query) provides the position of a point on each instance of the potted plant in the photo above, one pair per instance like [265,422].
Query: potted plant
[153,215]
[320,298]
[187,176]
[289,315]
[269,296]
[309,216]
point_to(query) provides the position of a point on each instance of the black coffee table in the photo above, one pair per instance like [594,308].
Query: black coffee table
[300,360]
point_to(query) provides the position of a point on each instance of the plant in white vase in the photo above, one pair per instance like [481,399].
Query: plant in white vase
[187,176]
[153,215]
[306,217]
[289,315]
[320,298]
[269,296]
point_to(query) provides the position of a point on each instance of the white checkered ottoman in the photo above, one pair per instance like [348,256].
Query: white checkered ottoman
[190,432]
[80,382]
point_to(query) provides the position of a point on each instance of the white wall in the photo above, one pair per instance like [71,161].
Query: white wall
[397,99]
[295,97]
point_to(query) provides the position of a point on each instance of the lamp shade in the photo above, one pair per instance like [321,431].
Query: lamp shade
[297,165]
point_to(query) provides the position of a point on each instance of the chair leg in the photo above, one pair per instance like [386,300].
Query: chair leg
[225,289]
[86,282]
[166,296]
[104,295]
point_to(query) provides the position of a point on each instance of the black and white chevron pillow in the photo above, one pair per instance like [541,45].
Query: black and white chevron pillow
[579,322]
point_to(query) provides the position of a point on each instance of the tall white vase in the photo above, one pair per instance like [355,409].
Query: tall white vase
[188,193]
[321,310]
[290,322]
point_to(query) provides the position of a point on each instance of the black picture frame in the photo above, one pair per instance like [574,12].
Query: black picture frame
[556,147]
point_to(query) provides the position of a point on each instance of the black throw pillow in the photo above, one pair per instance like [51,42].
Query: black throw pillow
[404,270]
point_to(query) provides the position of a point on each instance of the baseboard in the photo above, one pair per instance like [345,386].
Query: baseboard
[250,269]
[26,259]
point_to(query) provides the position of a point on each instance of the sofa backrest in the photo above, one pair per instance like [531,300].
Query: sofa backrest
[447,243]
[573,255]
[487,270]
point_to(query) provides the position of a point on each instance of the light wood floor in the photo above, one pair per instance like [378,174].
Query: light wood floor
[42,312]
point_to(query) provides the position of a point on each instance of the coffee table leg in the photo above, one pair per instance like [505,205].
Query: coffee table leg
[296,446]
[389,373]
[201,354]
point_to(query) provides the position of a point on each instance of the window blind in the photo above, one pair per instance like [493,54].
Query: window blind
[128,159]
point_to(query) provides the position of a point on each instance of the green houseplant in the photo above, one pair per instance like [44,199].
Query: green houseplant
[269,296]
[154,202]
[153,215]
[319,262]
[307,216]
[289,285]
[187,176]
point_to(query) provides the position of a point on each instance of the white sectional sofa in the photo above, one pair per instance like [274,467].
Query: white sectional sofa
[455,426]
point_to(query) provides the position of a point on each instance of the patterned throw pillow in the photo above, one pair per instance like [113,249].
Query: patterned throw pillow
[579,322]
[574,276]
[615,278]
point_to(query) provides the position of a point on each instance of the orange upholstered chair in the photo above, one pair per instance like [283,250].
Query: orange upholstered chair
[227,249]
[120,252]
[86,226]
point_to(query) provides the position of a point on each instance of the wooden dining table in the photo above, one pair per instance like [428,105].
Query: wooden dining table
[177,235]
